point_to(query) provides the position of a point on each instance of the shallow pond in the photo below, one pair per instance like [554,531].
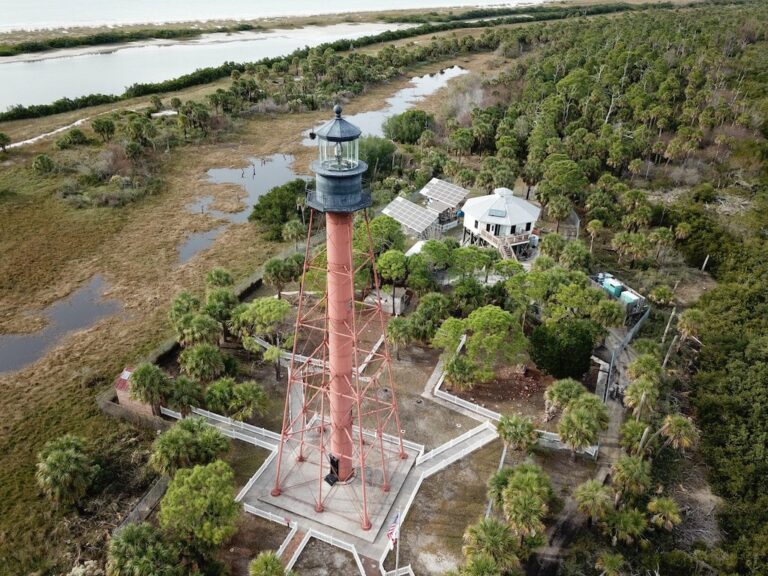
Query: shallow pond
[78,311]
[263,174]
[256,179]
[371,123]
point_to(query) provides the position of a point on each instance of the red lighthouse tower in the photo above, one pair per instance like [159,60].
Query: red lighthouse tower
[341,439]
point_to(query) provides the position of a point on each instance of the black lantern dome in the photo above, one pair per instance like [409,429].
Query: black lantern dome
[338,167]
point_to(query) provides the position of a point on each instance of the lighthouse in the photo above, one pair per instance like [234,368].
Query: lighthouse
[341,429]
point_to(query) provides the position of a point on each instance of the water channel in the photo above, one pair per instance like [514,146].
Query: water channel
[78,311]
[43,78]
[263,174]
[36,14]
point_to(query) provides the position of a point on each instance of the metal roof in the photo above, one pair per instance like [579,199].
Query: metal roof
[338,129]
[501,207]
[122,382]
[444,192]
[410,215]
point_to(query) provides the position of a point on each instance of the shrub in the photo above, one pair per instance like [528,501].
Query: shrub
[43,165]
[563,349]
[73,137]
[408,126]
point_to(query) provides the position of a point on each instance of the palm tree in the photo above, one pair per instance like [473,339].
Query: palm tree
[219,394]
[645,365]
[267,563]
[185,394]
[399,333]
[680,433]
[594,228]
[294,231]
[219,278]
[593,500]
[641,396]
[631,475]
[203,362]
[632,436]
[610,564]
[247,398]
[559,208]
[608,314]
[559,394]
[492,537]
[189,442]
[530,479]
[517,433]
[65,470]
[150,385]
[683,230]
[578,429]
[525,513]
[497,483]
[139,550]
[480,565]
[689,323]
[627,525]
[663,238]
[198,329]
[666,513]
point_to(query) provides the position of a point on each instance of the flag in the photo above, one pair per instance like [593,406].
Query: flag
[393,532]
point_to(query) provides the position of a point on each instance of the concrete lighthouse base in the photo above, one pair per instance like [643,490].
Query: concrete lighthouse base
[300,499]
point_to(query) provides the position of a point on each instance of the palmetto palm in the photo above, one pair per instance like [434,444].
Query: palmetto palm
[198,329]
[594,227]
[627,525]
[294,231]
[594,406]
[665,513]
[632,435]
[267,563]
[139,550]
[631,475]
[185,394]
[530,479]
[525,513]
[593,500]
[610,564]
[480,565]
[516,432]
[65,470]
[641,396]
[683,230]
[247,398]
[189,442]
[492,537]
[578,429]
[680,432]
[647,365]
[690,322]
[497,483]
[203,362]
[399,333]
[559,394]
[149,384]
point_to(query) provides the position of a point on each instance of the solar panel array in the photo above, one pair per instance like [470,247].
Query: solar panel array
[410,215]
[444,192]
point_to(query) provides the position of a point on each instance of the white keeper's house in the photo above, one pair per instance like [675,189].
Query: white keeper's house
[501,220]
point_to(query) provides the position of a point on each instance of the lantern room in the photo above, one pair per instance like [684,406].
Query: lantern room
[338,168]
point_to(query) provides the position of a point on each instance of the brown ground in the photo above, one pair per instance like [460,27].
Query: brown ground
[431,537]
[522,394]
[254,535]
[321,559]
